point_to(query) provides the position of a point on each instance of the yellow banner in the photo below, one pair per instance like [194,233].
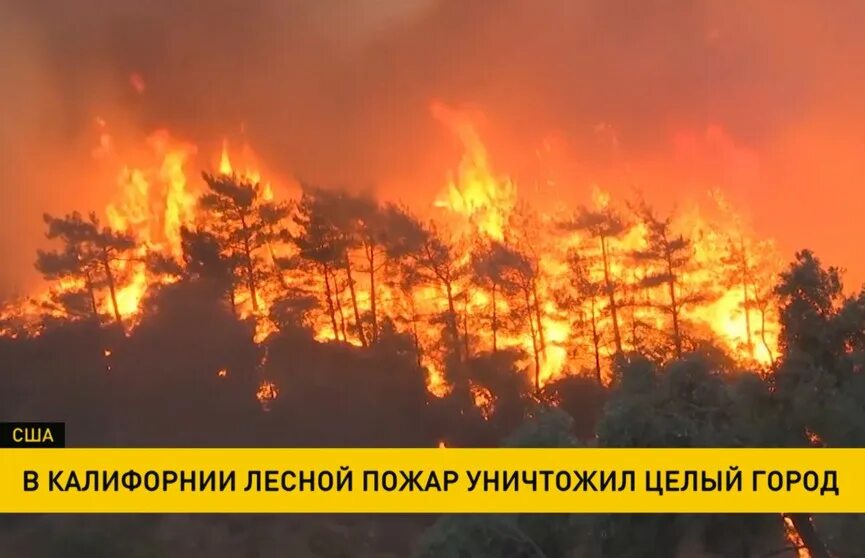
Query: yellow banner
[432,480]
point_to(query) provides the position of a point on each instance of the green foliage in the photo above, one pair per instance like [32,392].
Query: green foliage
[519,535]
[477,536]
[548,427]
[820,380]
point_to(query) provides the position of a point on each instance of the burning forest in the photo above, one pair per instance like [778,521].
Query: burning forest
[477,271]
[434,224]
[492,310]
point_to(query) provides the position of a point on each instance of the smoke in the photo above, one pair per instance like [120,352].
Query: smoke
[671,97]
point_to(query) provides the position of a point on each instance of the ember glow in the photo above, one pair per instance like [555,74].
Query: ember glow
[794,539]
[556,286]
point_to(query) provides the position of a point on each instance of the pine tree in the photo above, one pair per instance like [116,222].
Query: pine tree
[87,255]
[244,222]
[604,225]
[668,257]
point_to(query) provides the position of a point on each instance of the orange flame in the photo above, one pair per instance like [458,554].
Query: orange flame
[157,199]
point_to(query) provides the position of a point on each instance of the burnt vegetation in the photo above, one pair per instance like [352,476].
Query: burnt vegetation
[345,361]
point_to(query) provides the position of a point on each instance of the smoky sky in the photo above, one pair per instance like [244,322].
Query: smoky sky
[761,99]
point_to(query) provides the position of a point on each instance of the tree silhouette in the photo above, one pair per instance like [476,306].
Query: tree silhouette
[585,291]
[490,267]
[242,221]
[669,256]
[403,242]
[818,381]
[511,535]
[435,263]
[273,231]
[746,270]
[522,276]
[321,244]
[203,259]
[87,255]
[691,402]
[604,225]
[345,214]
[74,260]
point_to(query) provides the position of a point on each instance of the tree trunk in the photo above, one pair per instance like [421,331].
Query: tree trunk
[247,262]
[495,321]
[537,354]
[109,277]
[541,341]
[810,538]
[327,293]
[647,302]
[336,292]
[596,342]
[763,335]
[674,305]
[88,282]
[466,347]
[452,319]
[674,310]
[277,271]
[370,256]
[232,297]
[357,321]
[414,332]
[746,302]
[608,283]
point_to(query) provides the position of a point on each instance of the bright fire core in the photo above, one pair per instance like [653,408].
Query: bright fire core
[564,289]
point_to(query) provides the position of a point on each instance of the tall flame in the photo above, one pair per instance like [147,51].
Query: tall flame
[474,191]
[480,207]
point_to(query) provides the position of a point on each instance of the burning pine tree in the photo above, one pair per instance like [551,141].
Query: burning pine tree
[483,272]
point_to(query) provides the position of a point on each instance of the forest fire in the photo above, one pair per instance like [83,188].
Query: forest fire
[586,226]
[485,273]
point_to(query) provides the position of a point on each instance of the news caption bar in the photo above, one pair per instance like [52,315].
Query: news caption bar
[434,480]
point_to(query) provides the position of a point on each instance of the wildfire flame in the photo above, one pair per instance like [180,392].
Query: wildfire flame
[482,210]
[483,399]
[474,192]
[794,539]
[267,392]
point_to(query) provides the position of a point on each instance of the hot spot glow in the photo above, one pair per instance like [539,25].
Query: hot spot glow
[499,275]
